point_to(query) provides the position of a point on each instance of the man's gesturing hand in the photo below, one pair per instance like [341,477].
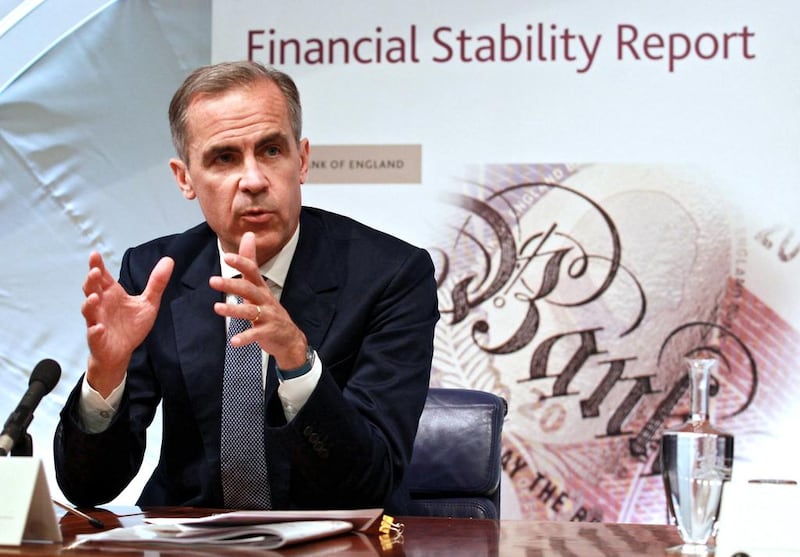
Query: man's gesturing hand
[273,329]
[116,322]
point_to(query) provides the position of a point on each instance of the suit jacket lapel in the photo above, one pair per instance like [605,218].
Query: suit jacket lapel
[311,288]
[200,343]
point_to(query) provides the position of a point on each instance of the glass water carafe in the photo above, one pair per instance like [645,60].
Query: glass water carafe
[696,460]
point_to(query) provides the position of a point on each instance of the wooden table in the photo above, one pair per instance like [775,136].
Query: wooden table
[422,537]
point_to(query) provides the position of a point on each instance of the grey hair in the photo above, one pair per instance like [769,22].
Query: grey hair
[220,78]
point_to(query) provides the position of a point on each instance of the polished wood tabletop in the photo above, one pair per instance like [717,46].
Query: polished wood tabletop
[421,536]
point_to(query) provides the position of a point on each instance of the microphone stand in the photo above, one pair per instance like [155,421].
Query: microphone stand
[23,446]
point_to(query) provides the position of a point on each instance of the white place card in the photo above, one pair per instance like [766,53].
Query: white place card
[26,510]
[758,520]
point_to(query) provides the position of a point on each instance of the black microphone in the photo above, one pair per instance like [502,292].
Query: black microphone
[44,377]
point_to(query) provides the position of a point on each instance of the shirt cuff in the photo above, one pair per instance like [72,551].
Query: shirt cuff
[294,393]
[96,412]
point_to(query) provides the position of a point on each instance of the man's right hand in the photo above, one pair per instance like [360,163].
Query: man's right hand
[116,322]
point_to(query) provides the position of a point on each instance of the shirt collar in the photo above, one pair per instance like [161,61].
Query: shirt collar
[275,269]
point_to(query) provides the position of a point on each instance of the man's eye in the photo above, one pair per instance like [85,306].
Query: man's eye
[225,158]
[272,151]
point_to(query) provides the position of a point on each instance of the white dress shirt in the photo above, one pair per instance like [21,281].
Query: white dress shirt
[96,412]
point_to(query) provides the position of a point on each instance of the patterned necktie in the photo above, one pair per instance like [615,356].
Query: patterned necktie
[245,480]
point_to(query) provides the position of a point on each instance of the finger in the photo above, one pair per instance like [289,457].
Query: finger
[94,333]
[89,309]
[158,280]
[256,292]
[245,261]
[93,284]
[98,278]
[95,259]
[246,266]
[247,247]
[243,339]
[96,262]
[248,336]
[247,311]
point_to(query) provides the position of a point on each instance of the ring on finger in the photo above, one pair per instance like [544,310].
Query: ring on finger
[258,315]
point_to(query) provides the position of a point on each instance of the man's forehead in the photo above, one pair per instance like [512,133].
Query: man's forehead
[259,103]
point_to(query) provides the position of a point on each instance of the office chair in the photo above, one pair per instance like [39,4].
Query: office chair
[455,466]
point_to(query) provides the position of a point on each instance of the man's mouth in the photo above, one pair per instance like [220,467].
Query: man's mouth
[256,215]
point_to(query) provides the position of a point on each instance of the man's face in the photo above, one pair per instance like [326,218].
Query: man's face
[244,166]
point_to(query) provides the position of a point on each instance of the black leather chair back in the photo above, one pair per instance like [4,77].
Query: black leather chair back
[455,466]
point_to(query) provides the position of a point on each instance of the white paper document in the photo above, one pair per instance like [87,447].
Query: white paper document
[266,536]
[262,529]
[361,519]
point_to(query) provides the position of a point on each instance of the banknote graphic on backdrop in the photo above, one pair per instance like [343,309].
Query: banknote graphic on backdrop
[576,292]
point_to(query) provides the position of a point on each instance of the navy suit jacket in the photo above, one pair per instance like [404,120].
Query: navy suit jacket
[365,300]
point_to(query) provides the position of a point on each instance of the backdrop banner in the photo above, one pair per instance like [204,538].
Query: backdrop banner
[606,188]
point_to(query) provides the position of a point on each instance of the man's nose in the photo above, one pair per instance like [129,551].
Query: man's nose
[253,177]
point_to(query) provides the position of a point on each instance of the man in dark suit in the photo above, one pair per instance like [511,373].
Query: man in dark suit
[343,315]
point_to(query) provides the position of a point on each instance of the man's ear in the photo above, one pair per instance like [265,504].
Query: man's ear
[304,156]
[182,178]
